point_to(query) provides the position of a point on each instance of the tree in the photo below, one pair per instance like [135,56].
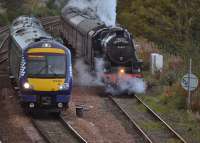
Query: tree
[170,23]
[14,8]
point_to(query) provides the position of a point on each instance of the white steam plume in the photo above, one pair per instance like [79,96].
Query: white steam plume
[105,10]
[84,76]
[131,85]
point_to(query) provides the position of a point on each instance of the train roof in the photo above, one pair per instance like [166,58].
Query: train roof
[26,30]
[85,20]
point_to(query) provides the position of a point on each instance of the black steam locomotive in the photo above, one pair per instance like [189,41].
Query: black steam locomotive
[91,39]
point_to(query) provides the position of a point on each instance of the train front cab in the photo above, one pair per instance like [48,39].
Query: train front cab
[46,78]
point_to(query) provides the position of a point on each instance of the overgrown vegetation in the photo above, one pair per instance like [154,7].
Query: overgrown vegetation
[14,8]
[173,25]
[166,96]
[172,28]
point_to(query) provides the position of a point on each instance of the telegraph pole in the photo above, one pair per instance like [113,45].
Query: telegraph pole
[189,84]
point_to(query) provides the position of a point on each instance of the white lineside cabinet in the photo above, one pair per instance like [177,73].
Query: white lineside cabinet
[156,63]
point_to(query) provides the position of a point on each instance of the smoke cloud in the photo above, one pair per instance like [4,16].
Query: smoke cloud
[133,85]
[130,86]
[105,10]
[85,77]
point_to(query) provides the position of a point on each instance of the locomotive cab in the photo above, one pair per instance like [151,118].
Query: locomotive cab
[40,66]
[45,65]
[43,76]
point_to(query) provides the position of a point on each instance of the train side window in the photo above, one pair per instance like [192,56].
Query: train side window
[79,42]
[66,30]
[75,38]
[83,45]
[86,47]
[70,37]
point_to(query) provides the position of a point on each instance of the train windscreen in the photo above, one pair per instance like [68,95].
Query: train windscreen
[51,66]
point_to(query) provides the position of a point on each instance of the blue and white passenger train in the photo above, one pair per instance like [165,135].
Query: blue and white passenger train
[40,66]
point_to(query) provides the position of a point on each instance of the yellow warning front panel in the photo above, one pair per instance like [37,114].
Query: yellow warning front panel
[45,84]
[46,50]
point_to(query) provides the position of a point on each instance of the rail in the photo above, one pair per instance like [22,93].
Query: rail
[4,29]
[3,43]
[155,115]
[3,50]
[72,130]
[142,132]
[159,118]
[57,130]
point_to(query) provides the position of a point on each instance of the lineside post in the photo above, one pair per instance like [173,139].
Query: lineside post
[189,90]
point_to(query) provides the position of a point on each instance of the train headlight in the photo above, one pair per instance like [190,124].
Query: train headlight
[60,105]
[27,85]
[65,86]
[46,45]
[122,71]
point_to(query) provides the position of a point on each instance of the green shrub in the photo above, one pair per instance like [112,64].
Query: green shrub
[3,19]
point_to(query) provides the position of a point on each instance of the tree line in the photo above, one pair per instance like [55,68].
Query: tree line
[174,25]
[15,8]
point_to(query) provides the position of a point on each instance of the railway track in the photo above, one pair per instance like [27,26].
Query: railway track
[150,124]
[57,131]
[4,29]
[3,48]
[3,59]
[4,56]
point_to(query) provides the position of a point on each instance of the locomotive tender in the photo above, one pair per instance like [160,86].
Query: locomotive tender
[40,66]
[91,39]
